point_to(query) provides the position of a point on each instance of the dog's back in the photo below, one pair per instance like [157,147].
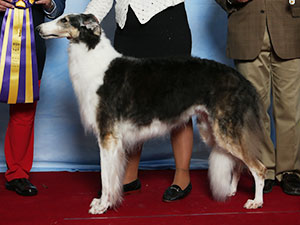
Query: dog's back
[143,89]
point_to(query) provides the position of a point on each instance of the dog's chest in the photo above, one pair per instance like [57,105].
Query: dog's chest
[86,78]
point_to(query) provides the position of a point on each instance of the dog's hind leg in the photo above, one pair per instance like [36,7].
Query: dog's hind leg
[251,140]
[113,162]
[241,149]
[205,129]
[236,173]
[222,178]
[257,202]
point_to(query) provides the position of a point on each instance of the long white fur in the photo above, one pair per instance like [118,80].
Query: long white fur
[112,172]
[130,133]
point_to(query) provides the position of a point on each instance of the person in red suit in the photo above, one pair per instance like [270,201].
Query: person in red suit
[19,139]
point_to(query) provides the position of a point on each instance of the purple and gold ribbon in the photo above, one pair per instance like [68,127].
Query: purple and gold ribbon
[18,63]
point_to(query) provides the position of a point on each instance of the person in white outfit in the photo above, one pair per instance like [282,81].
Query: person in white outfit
[153,28]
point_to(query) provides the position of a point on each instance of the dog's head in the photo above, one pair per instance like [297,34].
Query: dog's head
[76,27]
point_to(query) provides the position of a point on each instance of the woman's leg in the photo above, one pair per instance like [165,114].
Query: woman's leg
[131,173]
[182,143]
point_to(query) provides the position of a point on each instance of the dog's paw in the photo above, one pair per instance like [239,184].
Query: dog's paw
[95,201]
[97,210]
[98,206]
[252,204]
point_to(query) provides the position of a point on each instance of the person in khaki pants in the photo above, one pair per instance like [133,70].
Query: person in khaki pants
[264,40]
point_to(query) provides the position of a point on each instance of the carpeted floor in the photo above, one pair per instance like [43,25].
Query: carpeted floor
[64,199]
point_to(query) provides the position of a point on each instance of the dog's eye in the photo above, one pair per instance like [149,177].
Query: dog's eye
[63,20]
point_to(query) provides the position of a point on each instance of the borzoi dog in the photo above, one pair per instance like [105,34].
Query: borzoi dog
[125,101]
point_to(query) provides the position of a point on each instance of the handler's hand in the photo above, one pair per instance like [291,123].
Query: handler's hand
[4,5]
[47,4]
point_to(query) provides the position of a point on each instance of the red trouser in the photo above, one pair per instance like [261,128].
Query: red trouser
[19,140]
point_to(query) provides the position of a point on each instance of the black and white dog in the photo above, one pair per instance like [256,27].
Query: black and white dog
[125,101]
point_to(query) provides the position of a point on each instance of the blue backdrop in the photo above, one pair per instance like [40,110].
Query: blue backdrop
[60,142]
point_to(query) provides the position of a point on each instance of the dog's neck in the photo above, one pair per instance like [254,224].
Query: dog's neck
[95,60]
[87,70]
[87,37]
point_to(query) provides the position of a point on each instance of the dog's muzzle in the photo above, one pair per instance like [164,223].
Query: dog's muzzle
[43,35]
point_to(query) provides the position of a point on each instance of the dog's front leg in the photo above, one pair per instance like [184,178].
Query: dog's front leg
[113,161]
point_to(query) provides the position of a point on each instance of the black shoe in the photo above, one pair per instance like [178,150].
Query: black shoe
[290,184]
[174,193]
[268,185]
[22,186]
[132,187]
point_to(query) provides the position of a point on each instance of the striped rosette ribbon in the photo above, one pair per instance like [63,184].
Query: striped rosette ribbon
[18,65]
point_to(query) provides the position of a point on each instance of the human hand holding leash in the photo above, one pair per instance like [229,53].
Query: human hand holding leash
[4,5]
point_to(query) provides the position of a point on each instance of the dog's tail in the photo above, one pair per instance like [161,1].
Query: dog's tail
[221,165]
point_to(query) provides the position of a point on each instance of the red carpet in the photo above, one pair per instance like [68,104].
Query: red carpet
[64,199]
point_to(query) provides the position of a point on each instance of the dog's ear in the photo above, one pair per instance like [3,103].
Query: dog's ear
[91,22]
